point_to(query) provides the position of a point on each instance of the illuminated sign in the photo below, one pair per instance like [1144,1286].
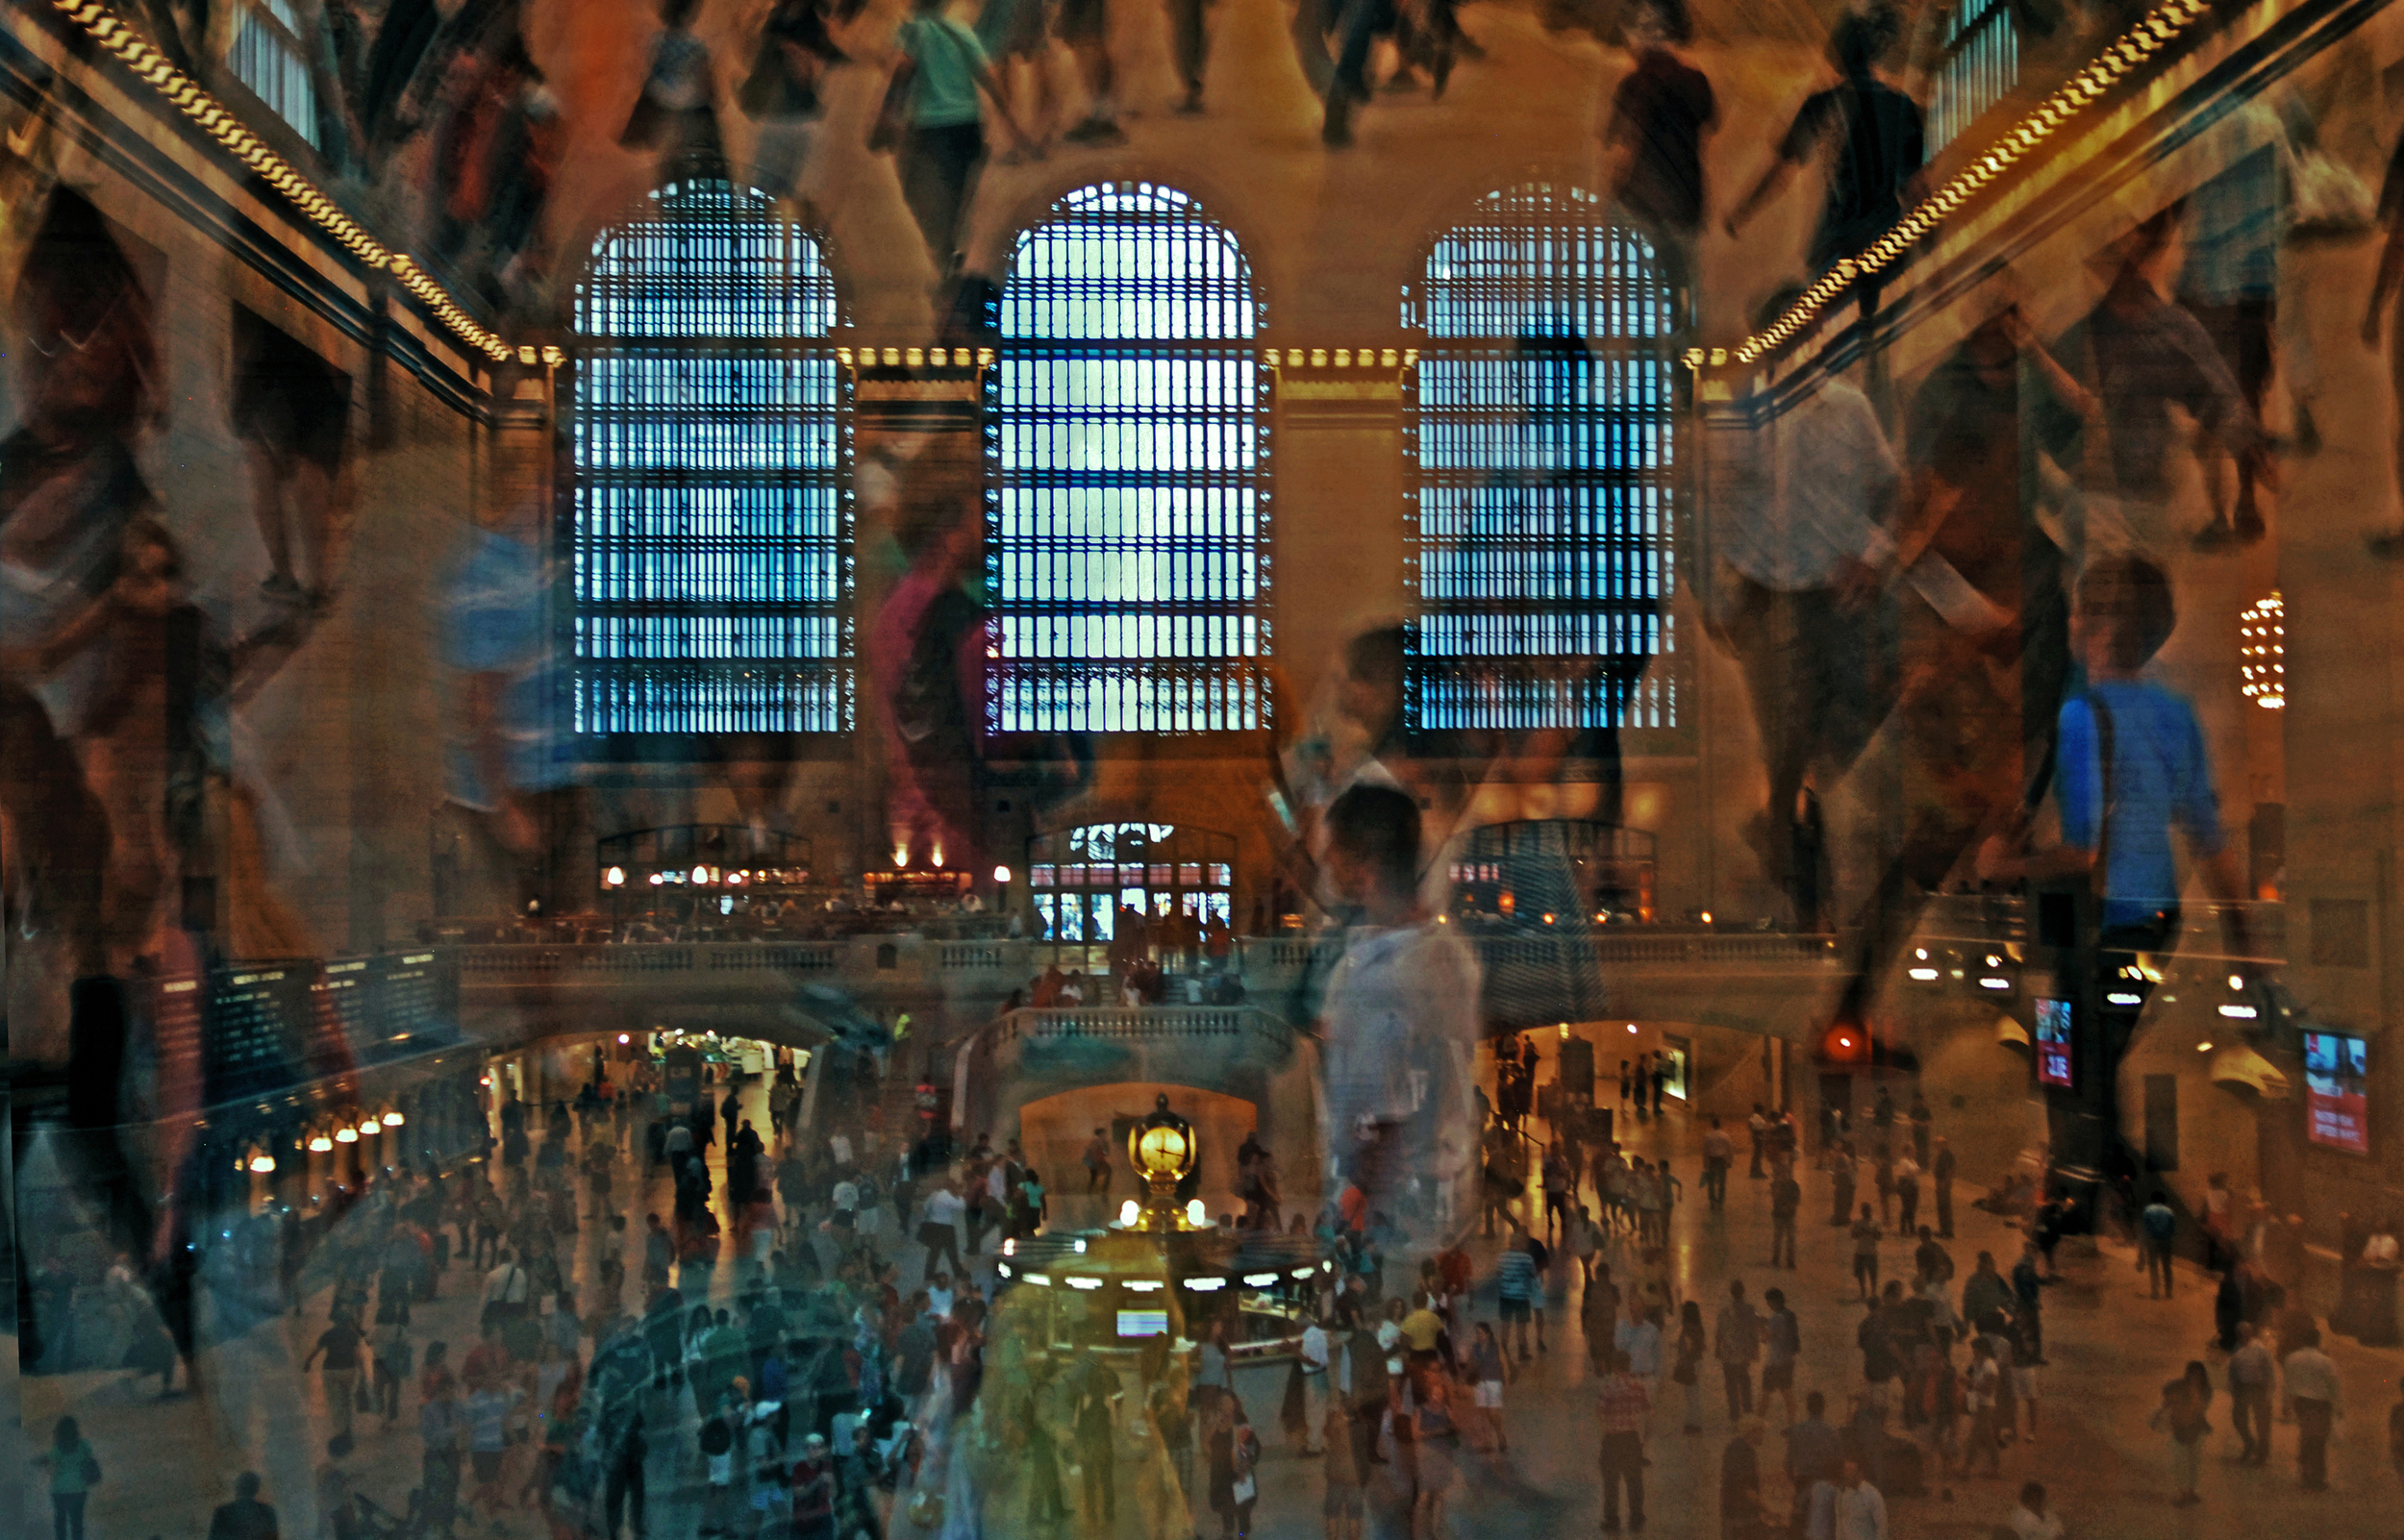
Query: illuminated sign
[1142,1322]
[2053,1042]
[2337,1092]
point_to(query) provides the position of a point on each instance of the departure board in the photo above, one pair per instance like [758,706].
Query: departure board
[258,1018]
[418,1001]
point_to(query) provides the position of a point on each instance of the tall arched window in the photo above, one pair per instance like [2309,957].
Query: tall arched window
[712,450]
[1540,518]
[1128,518]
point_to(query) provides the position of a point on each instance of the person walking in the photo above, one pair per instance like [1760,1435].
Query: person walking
[943,144]
[1621,1407]
[1981,1393]
[2312,1387]
[1781,1343]
[2251,1373]
[1865,1234]
[1907,1195]
[1737,1345]
[74,1470]
[1842,1181]
[1515,1288]
[2157,1227]
[340,1343]
[1687,1369]
[1718,1154]
[1786,1202]
[2185,1402]
[1742,1514]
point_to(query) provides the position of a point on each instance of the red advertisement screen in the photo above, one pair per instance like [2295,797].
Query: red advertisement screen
[2337,1092]
[2053,1042]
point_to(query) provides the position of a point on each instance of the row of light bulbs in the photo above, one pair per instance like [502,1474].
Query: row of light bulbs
[156,70]
[2130,50]
[2262,652]
[261,1160]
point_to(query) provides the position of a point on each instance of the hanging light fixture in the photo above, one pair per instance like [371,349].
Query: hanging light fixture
[261,1162]
[345,1134]
[394,1118]
[318,1143]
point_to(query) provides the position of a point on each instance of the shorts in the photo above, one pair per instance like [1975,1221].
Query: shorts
[1515,1310]
[2024,1381]
[1778,1376]
[1342,1502]
[1081,20]
[1490,1395]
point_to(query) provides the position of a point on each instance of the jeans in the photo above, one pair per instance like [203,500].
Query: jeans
[623,1495]
[2157,1267]
[1944,1211]
[1101,1483]
[1623,1465]
[2312,1441]
[1782,1239]
[67,1515]
[1716,1183]
[941,1241]
[1737,1379]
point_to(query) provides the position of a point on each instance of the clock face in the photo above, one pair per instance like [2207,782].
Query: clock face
[1162,1149]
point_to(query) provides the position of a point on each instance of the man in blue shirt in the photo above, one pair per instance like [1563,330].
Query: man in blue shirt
[2156,1225]
[1515,1288]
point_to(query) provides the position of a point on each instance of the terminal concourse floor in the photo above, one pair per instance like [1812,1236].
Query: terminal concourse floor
[168,1463]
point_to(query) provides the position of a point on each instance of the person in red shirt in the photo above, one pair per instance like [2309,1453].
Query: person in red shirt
[1621,1408]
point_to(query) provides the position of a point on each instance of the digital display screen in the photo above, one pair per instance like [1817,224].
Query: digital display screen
[2053,1042]
[2337,1092]
[1142,1322]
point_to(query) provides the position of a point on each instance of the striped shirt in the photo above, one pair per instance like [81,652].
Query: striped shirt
[1518,1280]
[1621,1404]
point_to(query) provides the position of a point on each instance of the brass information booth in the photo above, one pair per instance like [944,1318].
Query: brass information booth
[1159,1270]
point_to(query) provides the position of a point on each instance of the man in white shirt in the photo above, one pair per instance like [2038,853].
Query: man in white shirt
[1801,502]
[1639,1338]
[505,1290]
[2032,1519]
[939,1229]
[2311,1388]
[1315,1355]
[1846,1509]
[1401,1028]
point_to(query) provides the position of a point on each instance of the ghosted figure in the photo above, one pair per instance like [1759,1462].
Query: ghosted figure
[291,410]
[2145,355]
[1983,627]
[676,116]
[942,140]
[1870,135]
[1802,507]
[927,649]
[2132,768]
[1653,142]
[782,94]
[1401,1023]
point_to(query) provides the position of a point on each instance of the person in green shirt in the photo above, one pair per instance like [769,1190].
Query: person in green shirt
[942,147]
[74,1470]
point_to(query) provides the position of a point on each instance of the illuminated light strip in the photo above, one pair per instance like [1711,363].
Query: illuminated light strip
[155,69]
[2125,53]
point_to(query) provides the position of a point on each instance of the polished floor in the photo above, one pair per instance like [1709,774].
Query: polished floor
[168,1463]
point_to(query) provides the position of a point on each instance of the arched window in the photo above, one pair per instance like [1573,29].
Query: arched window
[1540,517]
[1128,514]
[711,456]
